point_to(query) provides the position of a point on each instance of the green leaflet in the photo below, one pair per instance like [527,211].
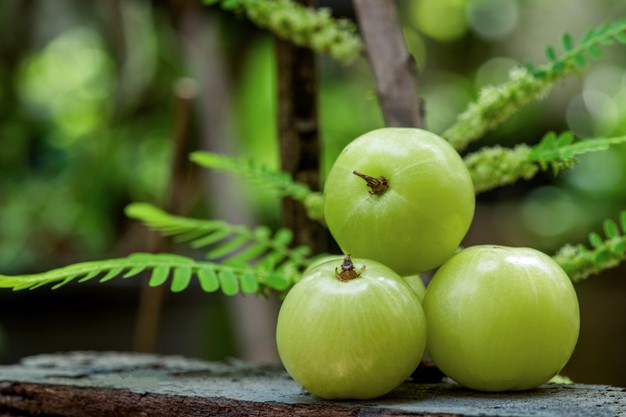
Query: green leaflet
[283,236]
[181,278]
[228,282]
[249,284]
[228,247]
[212,237]
[112,273]
[551,53]
[277,282]
[610,228]
[568,43]
[89,276]
[134,271]
[159,275]
[208,280]
[248,254]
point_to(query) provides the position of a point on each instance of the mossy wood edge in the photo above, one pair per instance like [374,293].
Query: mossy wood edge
[93,384]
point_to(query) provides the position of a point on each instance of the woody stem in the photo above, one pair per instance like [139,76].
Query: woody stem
[378,185]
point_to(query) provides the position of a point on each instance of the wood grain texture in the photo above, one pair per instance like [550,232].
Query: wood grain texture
[90,384]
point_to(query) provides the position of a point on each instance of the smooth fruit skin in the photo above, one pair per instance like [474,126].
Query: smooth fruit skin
[322,259]
[357,339]
[420,220]
[501,318]
[417,285]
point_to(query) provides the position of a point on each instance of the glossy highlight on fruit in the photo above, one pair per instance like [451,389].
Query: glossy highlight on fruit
[401,196]
[501,318]
[359,338]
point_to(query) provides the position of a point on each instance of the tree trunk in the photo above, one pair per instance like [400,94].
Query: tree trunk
[299,135]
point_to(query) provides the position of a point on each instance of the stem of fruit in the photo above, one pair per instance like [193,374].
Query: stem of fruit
[346,271]
[378,186]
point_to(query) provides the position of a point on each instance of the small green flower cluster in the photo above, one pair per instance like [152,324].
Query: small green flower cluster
[495,105]
[497,166]
[304,26]
[579,261]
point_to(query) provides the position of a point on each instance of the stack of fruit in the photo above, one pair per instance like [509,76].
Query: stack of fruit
[493,318]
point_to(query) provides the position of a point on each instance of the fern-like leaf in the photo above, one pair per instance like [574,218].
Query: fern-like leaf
[497,104]
[280,182]
[227,243]
[561,150]
[575,55]
[312,28]
[581,261]
[497,166]
[211,276]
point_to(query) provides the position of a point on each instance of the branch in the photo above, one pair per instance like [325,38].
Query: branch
[393,66]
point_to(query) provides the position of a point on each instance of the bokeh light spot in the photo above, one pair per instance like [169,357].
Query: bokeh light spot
[550,212]
[492,19]
[443,20]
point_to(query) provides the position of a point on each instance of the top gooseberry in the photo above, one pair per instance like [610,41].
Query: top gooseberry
[401,196]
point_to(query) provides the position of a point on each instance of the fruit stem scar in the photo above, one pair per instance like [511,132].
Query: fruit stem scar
[346,271]
[378,185]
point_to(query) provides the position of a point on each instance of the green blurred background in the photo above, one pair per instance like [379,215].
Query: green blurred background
[87,115]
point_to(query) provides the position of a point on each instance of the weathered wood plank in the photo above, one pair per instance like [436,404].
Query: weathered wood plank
[81,384]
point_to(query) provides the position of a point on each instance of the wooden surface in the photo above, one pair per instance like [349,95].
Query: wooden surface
[120,384]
